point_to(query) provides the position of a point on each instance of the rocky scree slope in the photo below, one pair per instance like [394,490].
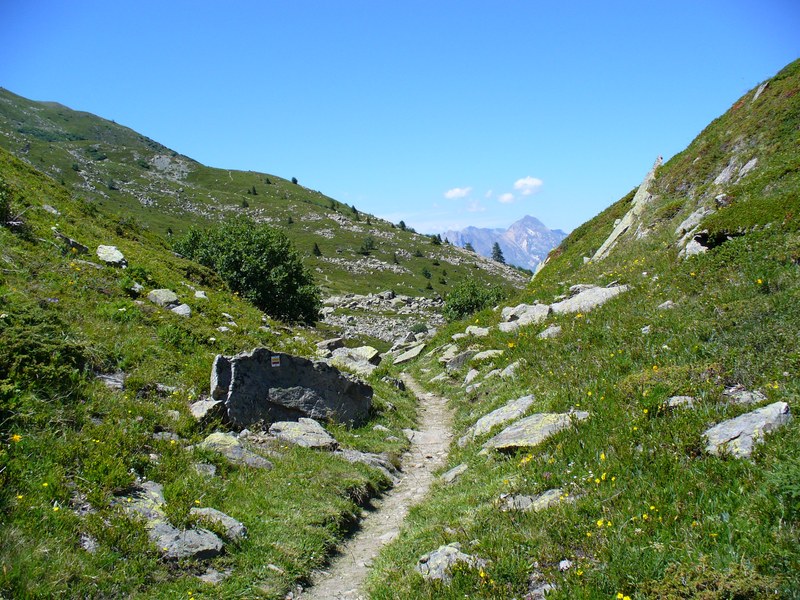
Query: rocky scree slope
[628,428]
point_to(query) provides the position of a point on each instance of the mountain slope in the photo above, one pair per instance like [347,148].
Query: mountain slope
[525,243]
[140,181]
[702,329]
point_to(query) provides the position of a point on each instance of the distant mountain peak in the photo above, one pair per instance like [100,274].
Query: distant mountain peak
[525,243]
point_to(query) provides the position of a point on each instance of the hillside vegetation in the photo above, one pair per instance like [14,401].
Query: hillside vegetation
[141,182]
[642,509]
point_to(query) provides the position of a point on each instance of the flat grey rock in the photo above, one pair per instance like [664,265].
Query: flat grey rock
[509,412]
[454,473]
[476,331]
[518,502]
[532,431]
[487,355]
[551,332]
[304,432]
[681,402]
[183,310]
[739,395]
[460,360]
[409,354]
[511,370]
[588,299]
[738,436]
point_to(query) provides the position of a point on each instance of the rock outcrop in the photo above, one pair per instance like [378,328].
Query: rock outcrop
[268,386]
[532,431]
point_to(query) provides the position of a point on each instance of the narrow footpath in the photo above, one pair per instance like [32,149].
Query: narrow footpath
[345,576]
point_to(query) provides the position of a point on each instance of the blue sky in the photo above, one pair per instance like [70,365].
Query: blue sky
[441,113]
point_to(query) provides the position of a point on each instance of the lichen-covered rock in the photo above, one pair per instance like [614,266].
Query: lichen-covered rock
[459,360]
[739,395]
[513,410]
[163,297]
[454,473]
[410,354]
[476,331]
[532,430]
[511,502]
[437,564]
[304,432]
[268,386]
[232,448]
[738,436]
[551,332]
[183,310]
[111,256]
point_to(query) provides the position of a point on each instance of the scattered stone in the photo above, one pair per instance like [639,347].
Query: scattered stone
[88,543]
[509,327]
[439,377]
[409,354]
[331,344]
[115,381]
[381,428]
[377,461]
[234,530]
[460,360]
[52,210]
[223,329]
[147,502]
[738,436]
[214,577]
[564,565]
[448,353]
[533,430]
[232,448]
[183,310]
[205,469]
[75,246]
[693,248]
[307,433]
[739,395]
[111,256]
[551,332]
[587,299]
[513,410]
[681,402]
[363,360]
[166,436]
[476,331]
[526,314]
[437,564]
[666,305]
[512,502]
[206,410]
[646,329]
[486,355]
[200,295]
[471,375]
[163,297]
[266,386]
[454,473]
[511,370]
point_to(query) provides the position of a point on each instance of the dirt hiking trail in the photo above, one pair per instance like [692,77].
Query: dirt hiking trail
[344,577]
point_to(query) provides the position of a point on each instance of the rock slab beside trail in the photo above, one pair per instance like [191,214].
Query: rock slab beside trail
[438,564]
[513,410]
[532,431]
[268,386]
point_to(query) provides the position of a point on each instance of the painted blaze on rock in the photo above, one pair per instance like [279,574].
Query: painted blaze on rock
[268,386]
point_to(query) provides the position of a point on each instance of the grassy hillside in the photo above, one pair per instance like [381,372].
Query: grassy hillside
[70,445]
[653,514]
[144,183]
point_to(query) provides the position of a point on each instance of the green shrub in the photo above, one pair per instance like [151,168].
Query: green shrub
[258,262]
[468,297]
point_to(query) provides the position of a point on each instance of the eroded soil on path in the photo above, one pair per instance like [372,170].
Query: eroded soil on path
[344,577]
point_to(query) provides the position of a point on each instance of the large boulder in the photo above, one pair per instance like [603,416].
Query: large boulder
[738,436]
[268,386]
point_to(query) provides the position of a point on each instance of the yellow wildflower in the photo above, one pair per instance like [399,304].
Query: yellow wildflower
[16,438]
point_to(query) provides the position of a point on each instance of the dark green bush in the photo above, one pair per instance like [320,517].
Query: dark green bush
[468,297]
[258,262]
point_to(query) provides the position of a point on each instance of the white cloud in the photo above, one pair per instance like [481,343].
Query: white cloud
[475,206]
[528,185]
[489,194]
[506,198]
[456,193]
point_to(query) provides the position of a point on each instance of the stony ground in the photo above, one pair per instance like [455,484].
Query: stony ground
[348,569]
